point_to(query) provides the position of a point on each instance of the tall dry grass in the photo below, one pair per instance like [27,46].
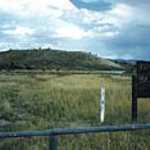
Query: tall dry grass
[34,101]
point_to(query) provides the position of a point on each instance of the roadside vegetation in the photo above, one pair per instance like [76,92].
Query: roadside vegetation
[40,101]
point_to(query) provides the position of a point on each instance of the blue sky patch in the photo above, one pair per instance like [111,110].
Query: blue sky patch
[95,5]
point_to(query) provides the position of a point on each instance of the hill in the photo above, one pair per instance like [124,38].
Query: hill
[55,60]
[129,65]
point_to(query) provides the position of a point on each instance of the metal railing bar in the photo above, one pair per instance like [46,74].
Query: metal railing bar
[80,130]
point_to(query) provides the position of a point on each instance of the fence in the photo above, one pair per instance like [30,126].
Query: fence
[53,134]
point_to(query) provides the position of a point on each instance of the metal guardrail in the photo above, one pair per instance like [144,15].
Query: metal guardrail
[54,133]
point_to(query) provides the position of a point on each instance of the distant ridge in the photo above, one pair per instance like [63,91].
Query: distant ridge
[55,60]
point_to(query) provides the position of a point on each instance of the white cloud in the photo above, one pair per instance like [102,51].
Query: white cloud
[33,7]
[105,23]
[121,15]
[68,30]
[102,34]
[19,31]
[111,34]
[122,10]
[118,16]
[58,19]
[54,11]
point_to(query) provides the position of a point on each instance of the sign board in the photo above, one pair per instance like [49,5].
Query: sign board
[143,79]
[140,85]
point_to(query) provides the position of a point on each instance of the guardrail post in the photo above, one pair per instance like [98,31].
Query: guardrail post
[53,143]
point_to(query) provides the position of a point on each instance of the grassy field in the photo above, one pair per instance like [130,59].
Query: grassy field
[41,101]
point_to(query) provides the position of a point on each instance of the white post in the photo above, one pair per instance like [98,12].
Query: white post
[102,103]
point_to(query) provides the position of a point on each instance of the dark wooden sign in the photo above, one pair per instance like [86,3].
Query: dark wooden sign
[140,85]
[143,79]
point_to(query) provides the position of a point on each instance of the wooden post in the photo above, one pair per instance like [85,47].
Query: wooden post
[102,103]
[134,108]
[53,143]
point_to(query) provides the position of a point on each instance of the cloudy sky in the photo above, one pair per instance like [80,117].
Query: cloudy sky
[109,28]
